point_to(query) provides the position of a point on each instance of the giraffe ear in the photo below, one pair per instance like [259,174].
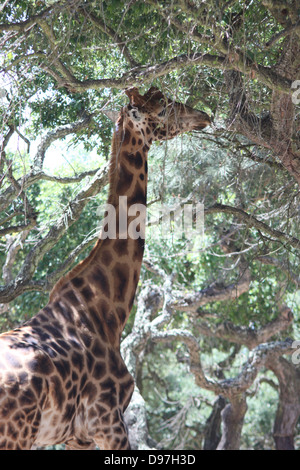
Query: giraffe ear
[112,115]
[154,93]
[135,98]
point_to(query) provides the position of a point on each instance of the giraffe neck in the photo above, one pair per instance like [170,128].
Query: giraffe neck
[106,281]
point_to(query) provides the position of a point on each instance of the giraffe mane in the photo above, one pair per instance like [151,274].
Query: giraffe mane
[74,271]
[116,142]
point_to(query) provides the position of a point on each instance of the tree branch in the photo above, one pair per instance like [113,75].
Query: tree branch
[229,388]
[36,172]
[252,221]
[148,328]
[22,282]
[111,33]
[283,266]
[143,74]
[187,28]
[284,32]
[57,133]
[242,335]
[16,228]
[24,26]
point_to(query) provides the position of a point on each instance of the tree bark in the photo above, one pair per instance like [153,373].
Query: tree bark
[288,410]
[277,130]
[212,433]
[284,139]
[233,419]
[132,349]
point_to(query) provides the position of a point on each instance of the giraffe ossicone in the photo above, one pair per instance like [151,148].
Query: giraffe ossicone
[62,378]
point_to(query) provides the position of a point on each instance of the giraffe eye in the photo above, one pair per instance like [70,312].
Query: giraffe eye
[162,113]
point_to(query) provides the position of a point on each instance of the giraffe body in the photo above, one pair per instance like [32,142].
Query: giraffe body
[61,385]
[62,378]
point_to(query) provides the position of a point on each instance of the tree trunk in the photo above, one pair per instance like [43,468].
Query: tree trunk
[288,410]
[132,348]
[212,432]
[136,420]
[277,131]
[233,419]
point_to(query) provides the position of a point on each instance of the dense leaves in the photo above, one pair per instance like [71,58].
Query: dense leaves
[63,64]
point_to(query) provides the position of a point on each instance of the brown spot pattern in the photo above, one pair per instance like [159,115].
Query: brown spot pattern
[62,378]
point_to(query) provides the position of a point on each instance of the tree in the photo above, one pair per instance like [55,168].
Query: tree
[64,64]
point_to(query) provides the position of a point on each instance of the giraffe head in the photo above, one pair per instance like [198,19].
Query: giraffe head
[163,117]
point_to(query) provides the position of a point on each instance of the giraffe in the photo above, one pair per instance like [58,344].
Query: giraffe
[62,378]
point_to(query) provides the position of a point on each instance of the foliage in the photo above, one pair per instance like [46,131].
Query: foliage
[72,60]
